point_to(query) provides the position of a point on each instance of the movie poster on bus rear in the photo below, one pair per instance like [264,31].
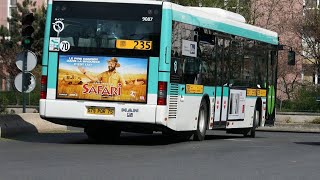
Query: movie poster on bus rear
[103,78]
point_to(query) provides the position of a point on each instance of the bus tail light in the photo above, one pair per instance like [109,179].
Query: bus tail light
[43,89]
[162,93]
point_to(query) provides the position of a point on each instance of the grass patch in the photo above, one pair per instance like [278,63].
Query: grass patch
[316,121]
[288,120]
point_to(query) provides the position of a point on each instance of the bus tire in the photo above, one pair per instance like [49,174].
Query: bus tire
[256,119]
[200,133]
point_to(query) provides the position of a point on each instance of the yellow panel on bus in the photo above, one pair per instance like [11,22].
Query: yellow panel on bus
[251,92]
[194,89]
[261,92]
[133,44]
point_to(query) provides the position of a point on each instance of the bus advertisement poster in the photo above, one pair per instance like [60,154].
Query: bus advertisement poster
[102,78]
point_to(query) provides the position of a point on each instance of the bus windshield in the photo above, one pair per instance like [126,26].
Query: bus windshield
[108,28]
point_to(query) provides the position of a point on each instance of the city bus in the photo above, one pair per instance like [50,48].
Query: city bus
[151,66]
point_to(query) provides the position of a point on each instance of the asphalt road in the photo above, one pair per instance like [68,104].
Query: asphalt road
[71,156]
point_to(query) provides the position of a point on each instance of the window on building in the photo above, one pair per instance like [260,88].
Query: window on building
[1,83]
[6,84]
[13,2]
[11,9]
[316,79]
[310,4]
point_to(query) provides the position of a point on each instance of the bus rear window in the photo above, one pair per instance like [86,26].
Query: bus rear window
[107,28]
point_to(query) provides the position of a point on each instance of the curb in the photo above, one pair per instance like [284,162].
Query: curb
[292,127]
[15,124]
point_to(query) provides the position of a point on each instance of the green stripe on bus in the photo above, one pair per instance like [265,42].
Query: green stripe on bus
[164,76]
[209,90]
[44,70]
[153,75]
[251,97]
[226,28]
[225,91]
[165,40]
[218,91]
[47,36]
[52,70]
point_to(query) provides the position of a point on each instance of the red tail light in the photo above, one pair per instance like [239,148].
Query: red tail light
[162,93]
[43,89]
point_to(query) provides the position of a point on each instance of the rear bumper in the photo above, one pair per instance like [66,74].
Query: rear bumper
[74,113]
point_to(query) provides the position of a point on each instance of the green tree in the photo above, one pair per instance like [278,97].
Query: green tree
[305,99]
[39,26]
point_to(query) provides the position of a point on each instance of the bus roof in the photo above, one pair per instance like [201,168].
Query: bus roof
[221,20]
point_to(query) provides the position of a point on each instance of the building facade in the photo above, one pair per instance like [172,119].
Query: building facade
[310,73]
[6,6]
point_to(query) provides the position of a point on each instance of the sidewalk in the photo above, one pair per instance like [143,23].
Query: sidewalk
[294,122]
[292,127]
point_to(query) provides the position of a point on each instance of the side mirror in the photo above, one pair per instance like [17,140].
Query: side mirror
[291,58]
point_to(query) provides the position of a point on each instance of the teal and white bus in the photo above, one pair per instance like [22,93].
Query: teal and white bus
[146,66]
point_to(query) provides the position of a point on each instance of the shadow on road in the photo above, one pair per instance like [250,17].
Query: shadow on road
[216,137]
[13,124]
[54,137]
[155,139]
[309,143]
[81,138]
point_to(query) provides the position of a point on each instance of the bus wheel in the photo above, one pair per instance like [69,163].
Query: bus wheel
[102,135]
[256,118]
[200,133]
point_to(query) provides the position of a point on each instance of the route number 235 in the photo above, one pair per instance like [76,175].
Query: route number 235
[143,45]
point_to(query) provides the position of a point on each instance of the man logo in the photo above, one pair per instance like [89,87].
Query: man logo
[127,110]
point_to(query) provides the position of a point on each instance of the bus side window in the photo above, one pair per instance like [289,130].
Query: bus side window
[191,70]
[66,35]
[236,62]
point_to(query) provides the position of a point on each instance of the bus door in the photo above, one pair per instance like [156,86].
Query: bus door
[222,88]
[218,100]
[221,106]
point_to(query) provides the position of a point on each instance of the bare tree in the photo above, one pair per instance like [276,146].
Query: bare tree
[279,16]
[308,29]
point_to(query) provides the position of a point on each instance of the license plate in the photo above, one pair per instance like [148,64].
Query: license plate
[100,110]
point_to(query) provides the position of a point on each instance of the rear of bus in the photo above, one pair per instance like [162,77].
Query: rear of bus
[100,64]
